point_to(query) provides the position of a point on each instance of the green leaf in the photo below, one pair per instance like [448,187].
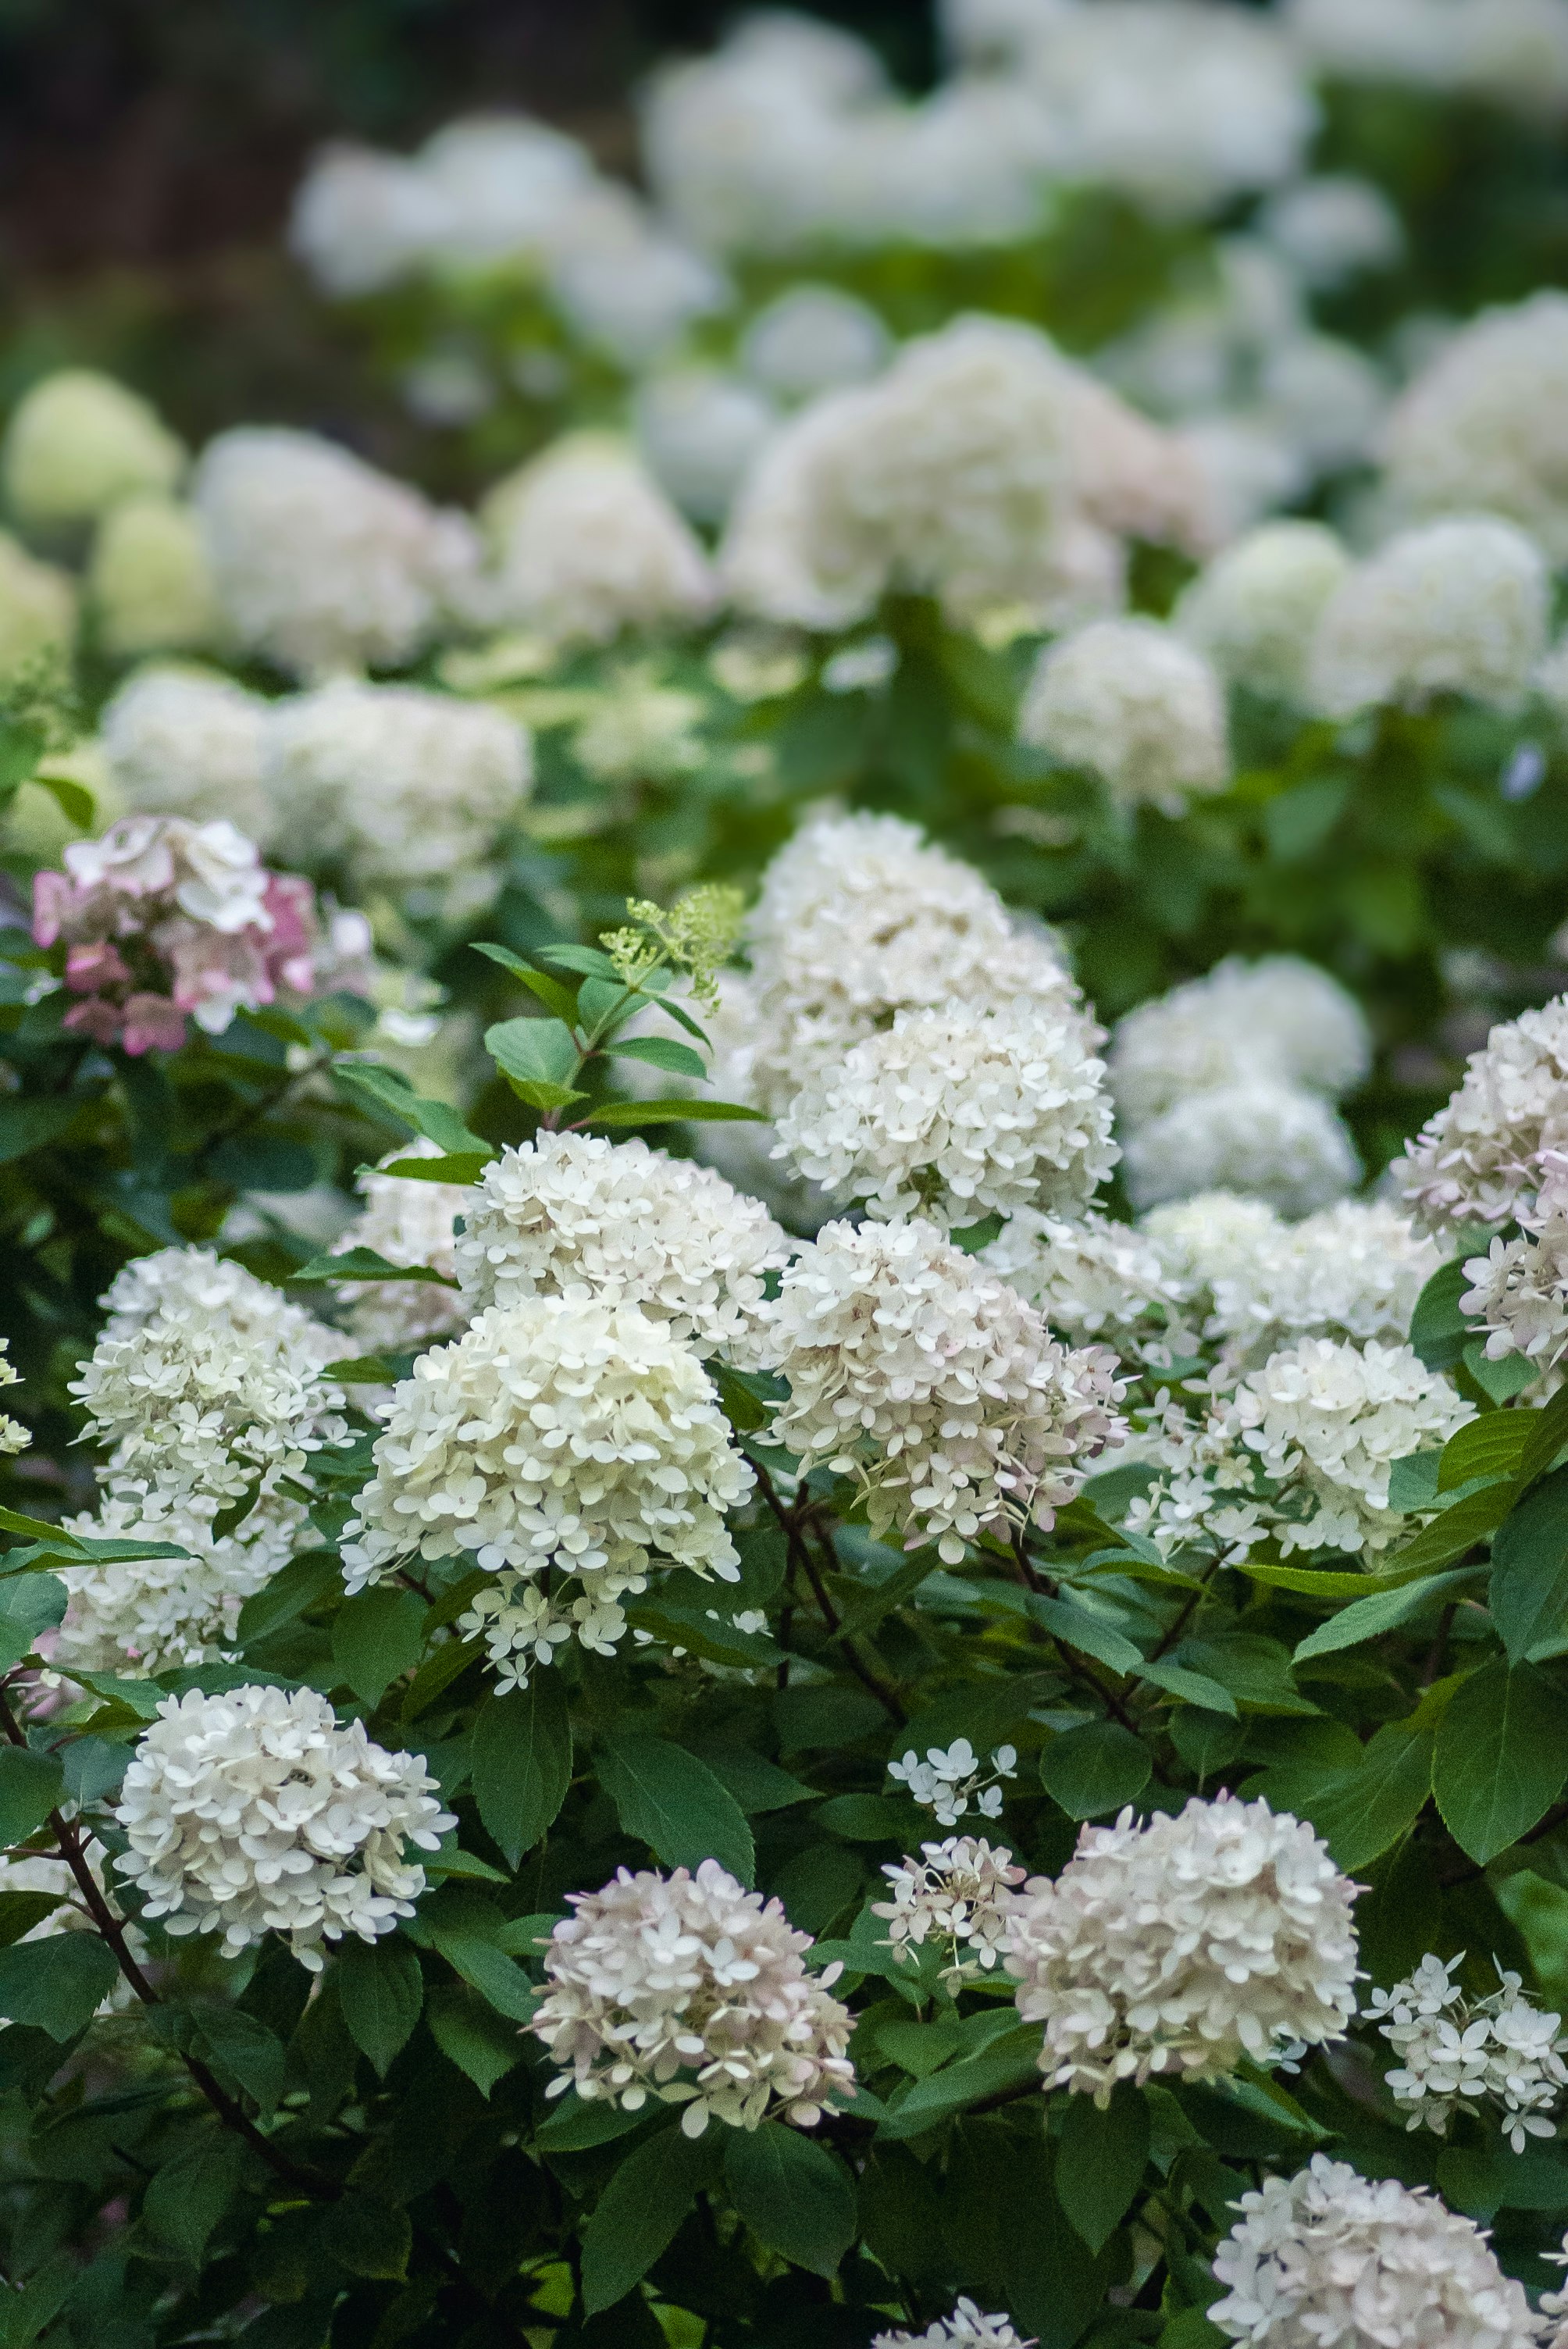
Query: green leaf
[1095,1768]
[1500,1377]
[1100,2161]
[522,1762]
[1091,1635]
[1367,1619]
[20,1911]
[386,1089]
[1190,2329]
[463,1169]
[377,1637]
[669,1800]
[1011,2062]
[58,1985]
[27,1125]
[1360,1813]
[561,1000]
[1438,1330]
[534,1051]
[1490,1445]
[661,1052]
[1529,1597]
[744,1411]
[1193,1688]
[671,1113]
[31,1604]
[380,1990]
[185,2200]
[499,1980]
[246,2050]
[303,1583]
[472,2035]
[639,2214]
[30,1786]
[587,960]
[22,745]
[1500,1759]
[757,1784]
[368,2238]
[1548,1435]
[871,1818]
[1450,1536]
[573,2126]
[795,2196]
[363,1264]
[33,2309]
[683,1623]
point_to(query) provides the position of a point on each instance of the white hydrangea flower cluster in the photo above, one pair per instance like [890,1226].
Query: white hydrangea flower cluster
[586,543]
[1183,1945]
[571,1215]
[813,337]
[1519,1289]
[1251,1280]
[699,430]
[408,1222]
[149,579]
[205,1379]
[1485,1155]
[1508,53]
[1090,1278]
[147,1615]
[1330,2256]
[188,742]
[1459,605]
[321,564]
[968,2327]
[257,1811]
[935,1386]
[1137,705]
[570,1445]
[1300,1452]
[1254,609]
[14,1436]
[1459,2055]
[953,1777]
[1334,227]
[405,786]
[78,443]
[1225,1083]
[983,468]
[1480,428]
[959,1892]
[957,1112]
[686,1989]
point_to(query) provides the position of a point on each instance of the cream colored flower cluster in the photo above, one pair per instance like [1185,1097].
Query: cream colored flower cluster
[1459,605]
[956,1111]
[204,1379]
[1183,1945]
[1484,1156]
[686,1989]
[570,1445]
[1328,2256]
[959,1893]
[1135,704]
[1459,2055]
[13,1437]
[968,2327]
[1091,1277]
[571,1215]
[1301,1452]
[1519,1289]
[932,1385]
[257,1811]
[146,1615]
[1480,429]
[411,1223]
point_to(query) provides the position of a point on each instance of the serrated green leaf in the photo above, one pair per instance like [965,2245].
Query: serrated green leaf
[242,2046]
[536,1051]
[377,1637]
[794,2195]
[1367,1618]
[671,1801]
[560,1000]
[365,1264]
[661,1052]
[1492,1446]
[1529,1591]
[1095,1769]
[56,1984]
[472,2035]
[1100,2161]
[380,1990]
[1013,2062]
[671,1113]
[186,2199]
[640,2212]
[388,1089]
[1362,1812]
[1091,1635]
[1438,1330]
[522,1762]
[31,1785]
[463,1169]
[1500,1758]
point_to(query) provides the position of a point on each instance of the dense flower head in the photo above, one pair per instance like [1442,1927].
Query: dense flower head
[77,442]
[686,1989]
[1332,227]
[571,1215]
[699,430]
[164,918]
[935,1386]
[13,1437]
[1459,605]
[1486,1154]
[1091,1277]
[557,1434]
[1352,1270]
[204,1378]
[188,742]
[1481,429]
[1254,608]
[1278,1142]
[959,1893]
[321,562]
[1501,2052]
[983,468]
[148,579]
[405,786]
[956,1111]
[813,338]
[411,1223]
[586,543]
[1184,1945]
[1280,1018]
[968,2327]
[1519,1289]
[860,917]
[1129,700]
[257,1811]
[1330,2256]
[144,1615]
[1300,1452]
[1508,53]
